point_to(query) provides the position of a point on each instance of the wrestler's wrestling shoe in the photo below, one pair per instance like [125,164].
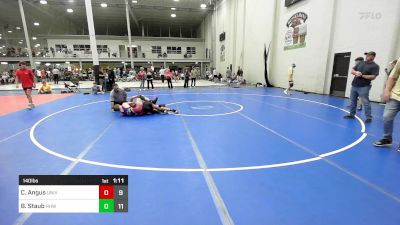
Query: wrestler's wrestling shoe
[173,111]
[154,101]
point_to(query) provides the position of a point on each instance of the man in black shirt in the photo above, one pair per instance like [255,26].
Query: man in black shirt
[363,73]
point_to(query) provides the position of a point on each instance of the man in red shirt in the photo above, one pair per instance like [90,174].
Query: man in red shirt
[28,81]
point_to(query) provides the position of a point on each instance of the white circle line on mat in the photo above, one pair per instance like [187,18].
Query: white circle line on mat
[224,169]
[207,115]
[202,107]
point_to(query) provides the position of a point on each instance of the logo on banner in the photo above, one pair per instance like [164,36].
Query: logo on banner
[295,36]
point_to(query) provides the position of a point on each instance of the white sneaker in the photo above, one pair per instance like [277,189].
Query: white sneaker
[286,92]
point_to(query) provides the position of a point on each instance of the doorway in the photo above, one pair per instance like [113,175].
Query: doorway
[340,73]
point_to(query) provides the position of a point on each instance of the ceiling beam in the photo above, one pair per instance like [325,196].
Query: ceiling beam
[134,19]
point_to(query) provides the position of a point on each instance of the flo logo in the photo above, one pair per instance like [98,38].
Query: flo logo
[295,36]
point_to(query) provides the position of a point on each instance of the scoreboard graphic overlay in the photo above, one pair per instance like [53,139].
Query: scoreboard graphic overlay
[73,193]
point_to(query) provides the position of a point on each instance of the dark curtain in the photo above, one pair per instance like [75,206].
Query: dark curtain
[266,53]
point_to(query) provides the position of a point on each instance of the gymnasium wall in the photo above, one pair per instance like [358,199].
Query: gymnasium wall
[206,32]
[333,26]
[247,25]
[361,26]
[257,34]
[312,59]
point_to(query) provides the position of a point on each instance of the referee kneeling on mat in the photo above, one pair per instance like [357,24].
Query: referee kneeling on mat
[117,97]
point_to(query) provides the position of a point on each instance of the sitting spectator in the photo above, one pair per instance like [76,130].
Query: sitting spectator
[5,78]
[45,88]
[96,89]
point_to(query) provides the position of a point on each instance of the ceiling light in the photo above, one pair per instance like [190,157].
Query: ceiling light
[4,63]
[37,45]
[36,24]
[70,10]
[134,1]
[176,0]
[20,42]
[4,54]
[18,28]
[0,38]
[10,31]
[3,46]
[104,5]
[123,62]
[34,38]
[203,6]
[43,2]
[37,62]
[67,62]
[173,8]
[173,15]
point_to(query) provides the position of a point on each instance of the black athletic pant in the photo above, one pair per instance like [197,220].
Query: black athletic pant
[148,84]
[193,82]
[186,83]
[55,78]
[169,81]
[162,78]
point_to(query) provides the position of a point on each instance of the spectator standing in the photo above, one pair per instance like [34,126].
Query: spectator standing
[194,75]
[392,97]
[56,75]
[228,75]
[111,78]
[102,80]
[364,73]
[168,76]
[141,77]
[186,78]
[149,78]
[162,74]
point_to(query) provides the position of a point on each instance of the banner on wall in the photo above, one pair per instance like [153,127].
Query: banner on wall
[291,2]
[296,33]
[222,58]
